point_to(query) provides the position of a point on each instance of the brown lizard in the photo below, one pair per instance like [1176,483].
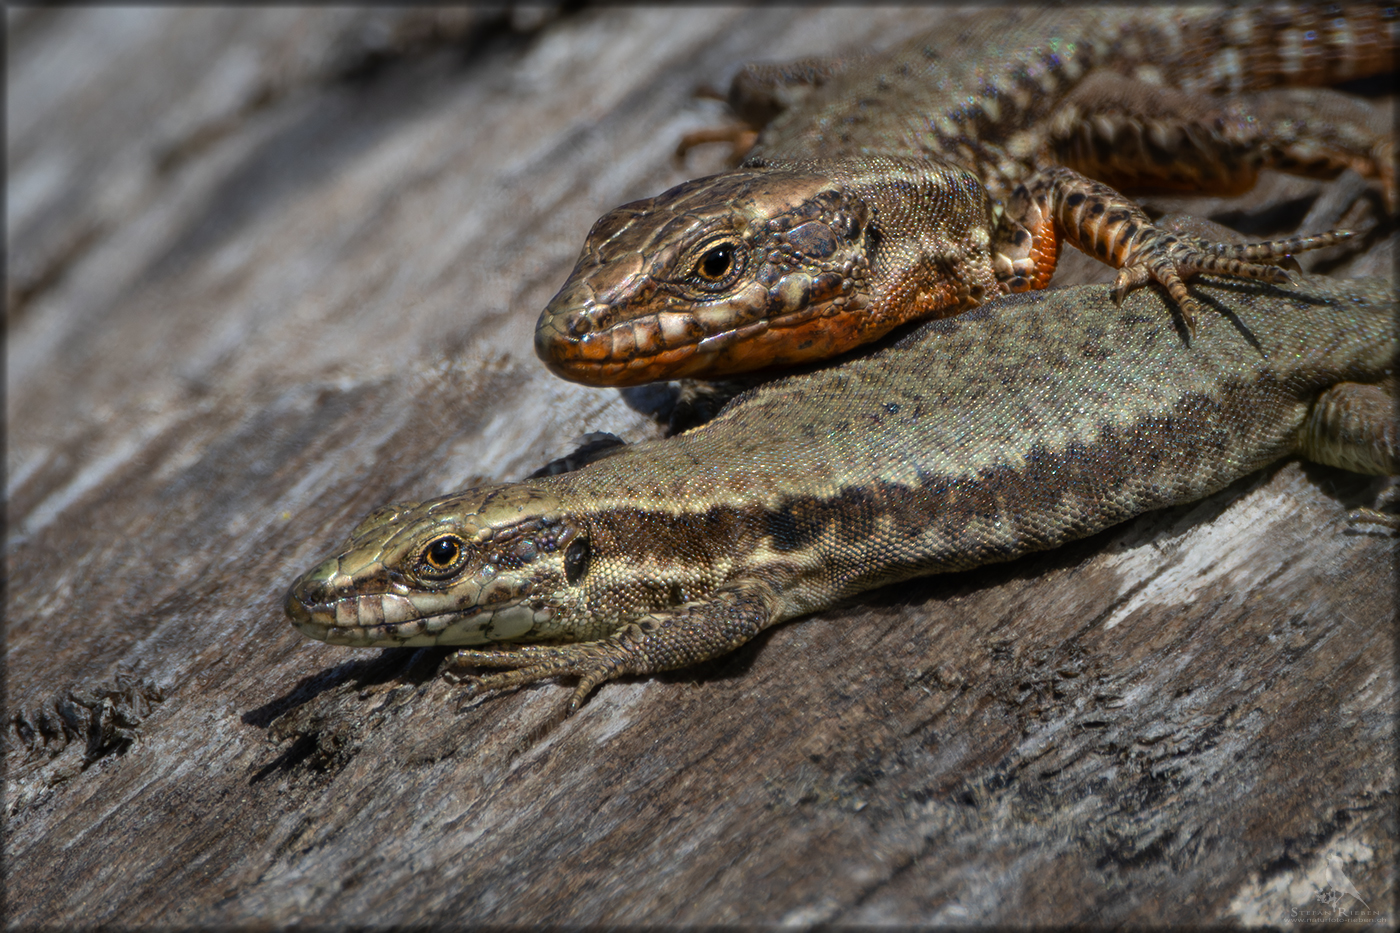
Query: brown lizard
[950,169]
[1033,421]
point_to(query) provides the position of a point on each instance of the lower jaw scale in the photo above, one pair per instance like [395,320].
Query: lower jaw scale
[508,623]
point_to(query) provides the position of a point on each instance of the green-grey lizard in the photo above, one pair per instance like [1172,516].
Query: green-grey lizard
[1033,421]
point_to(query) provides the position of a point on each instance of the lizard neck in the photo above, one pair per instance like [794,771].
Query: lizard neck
[929,240]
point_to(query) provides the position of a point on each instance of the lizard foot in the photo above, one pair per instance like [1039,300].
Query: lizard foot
[1168,259]
[1058,202]
[592,663]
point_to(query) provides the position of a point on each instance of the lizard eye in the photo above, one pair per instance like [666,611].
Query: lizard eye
[576,560]
[718,263]
[442,555]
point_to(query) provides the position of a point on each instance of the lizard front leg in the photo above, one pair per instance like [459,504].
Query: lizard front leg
[1058,203]
[658,641]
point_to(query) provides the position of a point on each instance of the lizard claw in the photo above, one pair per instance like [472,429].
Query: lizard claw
[1129,278]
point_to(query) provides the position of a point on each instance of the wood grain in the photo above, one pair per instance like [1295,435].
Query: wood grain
[270,269]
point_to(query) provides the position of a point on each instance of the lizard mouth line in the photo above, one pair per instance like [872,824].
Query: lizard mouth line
[707,346]
[361,622]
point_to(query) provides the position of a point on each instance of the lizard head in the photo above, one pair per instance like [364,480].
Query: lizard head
[701,279]
[493,564]
[770,265]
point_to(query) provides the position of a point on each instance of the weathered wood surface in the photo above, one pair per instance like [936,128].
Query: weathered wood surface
[271,269]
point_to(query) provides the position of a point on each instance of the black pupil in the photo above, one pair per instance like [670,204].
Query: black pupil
[442,553]
[717,261]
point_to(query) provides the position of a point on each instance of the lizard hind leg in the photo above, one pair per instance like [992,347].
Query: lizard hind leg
[1112,228]
[1137,136]
[658,641]
[1353,426]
